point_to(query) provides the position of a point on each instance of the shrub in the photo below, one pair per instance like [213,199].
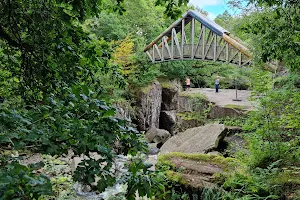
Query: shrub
[21,182]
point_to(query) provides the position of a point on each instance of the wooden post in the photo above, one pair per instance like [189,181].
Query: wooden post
[203,43]
[158,52]
[152,59]
[163,48]
[215,46]
[209,45]
[177,42]
[172,45]
[192,37]
[227,52]
[167,46]
[182,38]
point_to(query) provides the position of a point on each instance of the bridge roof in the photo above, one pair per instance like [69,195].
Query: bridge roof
[217,29]
[235,51]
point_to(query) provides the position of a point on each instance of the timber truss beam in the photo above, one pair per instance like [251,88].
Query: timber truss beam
[195,37]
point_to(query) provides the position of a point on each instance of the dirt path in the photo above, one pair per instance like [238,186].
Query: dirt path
[225,96]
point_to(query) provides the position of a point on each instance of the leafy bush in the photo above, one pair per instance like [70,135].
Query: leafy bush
[81,123]
[274,128]
[21,182]
[233,121]
[254,183]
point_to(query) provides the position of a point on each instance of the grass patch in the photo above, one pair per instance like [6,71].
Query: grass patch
[167,85]
[233,106]
[146,89]
[225,163]
[194,96]
[231,121]
[192,116]
[289,177]
[175,177]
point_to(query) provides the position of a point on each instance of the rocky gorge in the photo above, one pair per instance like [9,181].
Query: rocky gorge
[180,125]
[164,109]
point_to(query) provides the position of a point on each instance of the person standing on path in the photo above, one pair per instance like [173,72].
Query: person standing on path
[217,83]
[187,83]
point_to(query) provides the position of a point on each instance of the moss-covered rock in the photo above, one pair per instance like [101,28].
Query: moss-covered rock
[195,171]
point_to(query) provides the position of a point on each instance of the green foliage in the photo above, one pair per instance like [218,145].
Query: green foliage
[192,116]
[218,160]
[254,183]
[198,102]
[274,31]
[172,7]
[211,194]
[233,121]
[144,75]
[275,127]
[203,74]
[81,123]
[176,69]
[44,58]
[61,180]
[21,182]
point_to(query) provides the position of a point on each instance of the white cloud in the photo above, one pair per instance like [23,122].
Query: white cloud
[202,3]
[211,16]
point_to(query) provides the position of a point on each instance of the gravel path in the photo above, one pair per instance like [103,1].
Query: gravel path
[225,96]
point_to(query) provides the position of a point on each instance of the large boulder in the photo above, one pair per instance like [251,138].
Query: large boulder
[157,135]
[194,172]
[222,111]
[196,140]
[148,106]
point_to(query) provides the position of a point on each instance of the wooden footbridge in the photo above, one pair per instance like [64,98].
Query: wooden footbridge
[202,40]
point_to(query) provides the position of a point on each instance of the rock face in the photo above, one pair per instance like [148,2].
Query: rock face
[149,106]
[170,94]
[169,98]
[157,135]
[219,112]
[183,123]
[185,104]
[195,140]
[197,174]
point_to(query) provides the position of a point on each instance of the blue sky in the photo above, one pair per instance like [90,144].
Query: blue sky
[213,7]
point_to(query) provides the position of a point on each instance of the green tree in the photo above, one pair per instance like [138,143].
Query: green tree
[275,30]
[47,52]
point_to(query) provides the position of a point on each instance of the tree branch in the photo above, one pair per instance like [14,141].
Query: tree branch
[4,35]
